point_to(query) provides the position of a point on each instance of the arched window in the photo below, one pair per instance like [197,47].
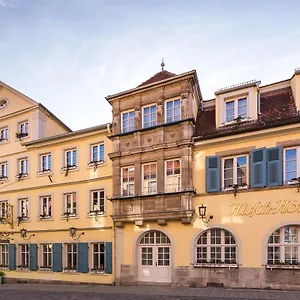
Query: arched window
[284,246]
[216,246]
[155,237]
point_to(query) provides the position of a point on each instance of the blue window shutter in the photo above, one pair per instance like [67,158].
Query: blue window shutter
[108,257]
[82,257]
[274,166]
[12,257]
[33,266]
[57,257]
[213,174]
[258,168]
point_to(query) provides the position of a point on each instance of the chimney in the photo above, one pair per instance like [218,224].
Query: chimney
[295,84]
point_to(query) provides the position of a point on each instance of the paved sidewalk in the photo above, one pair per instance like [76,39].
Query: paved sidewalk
[91,292]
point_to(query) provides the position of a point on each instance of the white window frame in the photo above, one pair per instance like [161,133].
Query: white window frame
[23,203]
[3,208]
[4,256]
[99,200]
[72,252]
[122,114]
[24,251]
[23,124]
[98,159]
[149,180]
[49,207]
[99,253]
[4,133]
[3,171]
[174,175]
[297,164]
[47,169]
[26,166]
[72,165]
[65,206]
[143,114]
[46,248]
[127,183]
[235,171]
[236,101]
[166,117]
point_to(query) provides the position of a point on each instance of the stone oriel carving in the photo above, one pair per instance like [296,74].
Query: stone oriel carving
[160,109]
[137,117]
[148,205]
[127,207]
[184,103]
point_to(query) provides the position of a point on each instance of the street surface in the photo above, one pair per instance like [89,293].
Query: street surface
[93,292]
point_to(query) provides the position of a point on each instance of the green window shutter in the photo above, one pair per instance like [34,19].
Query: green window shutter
[274,166]
[108,257]
[82,257]
[33,265]
[12,257]
[258,168]
[213,174]
[57,257]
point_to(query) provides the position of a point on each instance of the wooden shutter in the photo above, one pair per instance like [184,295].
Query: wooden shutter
[108,257]
[57,257]
[82,257]
[33,266]
[213,174]
[12,257]
[258,168]
[274,166]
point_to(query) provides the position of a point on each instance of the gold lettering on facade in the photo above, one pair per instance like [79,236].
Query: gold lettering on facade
[281,206]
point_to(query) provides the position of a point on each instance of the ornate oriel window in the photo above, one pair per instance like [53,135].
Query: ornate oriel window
[216,246]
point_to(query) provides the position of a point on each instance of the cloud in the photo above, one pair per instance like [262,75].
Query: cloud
[4,3]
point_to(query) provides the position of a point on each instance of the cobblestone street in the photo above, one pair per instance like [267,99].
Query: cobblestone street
[74,292]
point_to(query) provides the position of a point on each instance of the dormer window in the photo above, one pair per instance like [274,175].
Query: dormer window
[235,109]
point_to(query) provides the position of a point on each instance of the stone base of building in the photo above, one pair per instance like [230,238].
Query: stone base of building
[251,278]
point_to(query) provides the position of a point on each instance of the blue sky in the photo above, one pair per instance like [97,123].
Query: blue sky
[70,54]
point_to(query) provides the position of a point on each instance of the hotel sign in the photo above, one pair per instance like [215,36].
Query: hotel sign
[267,208]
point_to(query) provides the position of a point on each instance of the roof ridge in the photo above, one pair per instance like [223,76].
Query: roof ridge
[164,74]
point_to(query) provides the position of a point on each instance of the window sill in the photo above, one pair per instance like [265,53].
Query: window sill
[25,270]
[212,265]
[21,139]
[4,142]
[4,180]
[95,215]
[97,273]
[69,272]
[71,169]
[43,270]
[40,219]
[69,217]
[23,220]
[4,268]
[284,267]
[22,177]
[229,189]
[94,166]
[44,173]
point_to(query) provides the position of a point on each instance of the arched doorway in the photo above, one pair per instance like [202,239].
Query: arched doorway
[154,259]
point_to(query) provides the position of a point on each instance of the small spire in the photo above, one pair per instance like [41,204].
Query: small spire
[162,64]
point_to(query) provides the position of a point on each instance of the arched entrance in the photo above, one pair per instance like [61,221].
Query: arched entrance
[154,259]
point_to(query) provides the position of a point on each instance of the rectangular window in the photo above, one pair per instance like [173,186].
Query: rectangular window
[149,179]
[291,165]
[97,153]
[23,208]
[235,171]
[45,162]
[46,206]
[71,158]
[23,166]
[149,116]
[46,256]
[98,257]
[97,201]
[173,178]
[71,257]
[4,134]
[24,256]
[3,170]
[128,121]
[128,181]
[173,111]
[3,208]
[3,255]
[70,204]
[235,109]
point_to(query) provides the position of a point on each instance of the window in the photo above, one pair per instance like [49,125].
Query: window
[46,256]
[291,164]
[98,153]
[70,204]
[235,109]
[3,170]
[23,166]
[23,129]
[216,246]
[3,255]
[71,257]
[128,181]
[98,257]
[149,179]
[128,121]
[149,116]
[46,206]
[71,158]
[173,181]
[235,171]
[3,208]
[284,246]
[4,134]
[97,201]
[173,111]
[45,162]
[23,208]
[24,256]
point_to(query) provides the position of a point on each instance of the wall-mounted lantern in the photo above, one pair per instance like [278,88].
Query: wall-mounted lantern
[202,214]
[73,232]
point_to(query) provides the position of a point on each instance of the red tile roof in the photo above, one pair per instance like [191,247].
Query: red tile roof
[158,77]
[276,108]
